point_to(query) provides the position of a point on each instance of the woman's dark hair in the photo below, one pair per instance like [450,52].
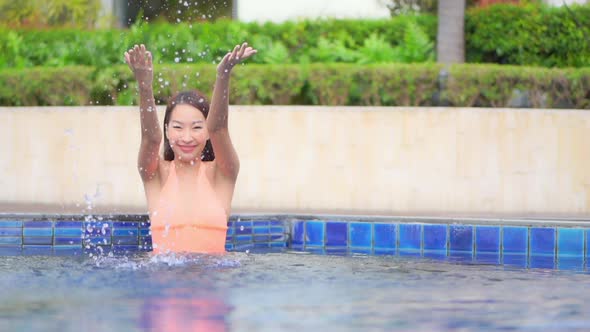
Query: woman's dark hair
[197,100]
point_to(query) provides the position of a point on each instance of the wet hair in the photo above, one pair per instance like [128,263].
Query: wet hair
[197,100]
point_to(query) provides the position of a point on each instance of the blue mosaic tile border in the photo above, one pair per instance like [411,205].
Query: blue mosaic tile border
[79,234]
[523,243]
[542,246]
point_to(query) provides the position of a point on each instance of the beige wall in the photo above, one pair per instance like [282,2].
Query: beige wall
[280,11]
[438,161]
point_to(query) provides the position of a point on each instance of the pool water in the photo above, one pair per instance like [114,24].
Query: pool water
[284,291]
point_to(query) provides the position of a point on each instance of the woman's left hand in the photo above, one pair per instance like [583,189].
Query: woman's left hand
[239,54]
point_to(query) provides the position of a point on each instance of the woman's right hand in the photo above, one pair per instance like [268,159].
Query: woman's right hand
[140,62]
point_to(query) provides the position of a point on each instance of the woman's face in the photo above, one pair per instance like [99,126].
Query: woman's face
[187,132]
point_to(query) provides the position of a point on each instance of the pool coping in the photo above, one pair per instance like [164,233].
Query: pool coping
[501,221]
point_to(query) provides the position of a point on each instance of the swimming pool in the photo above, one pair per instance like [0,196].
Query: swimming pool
[293,273]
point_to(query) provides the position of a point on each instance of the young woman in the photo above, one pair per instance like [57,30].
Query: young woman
[189,191]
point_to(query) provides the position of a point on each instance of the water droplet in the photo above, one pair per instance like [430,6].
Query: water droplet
[241,228]
[177,59]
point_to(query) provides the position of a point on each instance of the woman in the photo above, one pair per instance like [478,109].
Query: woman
[189,191]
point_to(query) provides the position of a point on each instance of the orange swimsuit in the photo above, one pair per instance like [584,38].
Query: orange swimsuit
[200,226]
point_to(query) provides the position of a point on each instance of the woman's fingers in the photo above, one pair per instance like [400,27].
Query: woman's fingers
[242,50]
[149,59]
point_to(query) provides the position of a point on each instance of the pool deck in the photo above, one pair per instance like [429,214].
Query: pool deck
[368,215]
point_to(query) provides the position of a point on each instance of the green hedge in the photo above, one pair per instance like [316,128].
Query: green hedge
[315,84]
[505,34]
[529,35]
[290,42]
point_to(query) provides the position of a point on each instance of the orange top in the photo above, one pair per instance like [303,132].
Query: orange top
[199,226]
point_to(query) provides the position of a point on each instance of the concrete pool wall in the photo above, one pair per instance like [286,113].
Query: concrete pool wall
[370,160]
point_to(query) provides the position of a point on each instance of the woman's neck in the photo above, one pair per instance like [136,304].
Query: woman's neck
[183,166]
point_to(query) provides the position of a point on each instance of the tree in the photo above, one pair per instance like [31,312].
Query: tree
[450,37]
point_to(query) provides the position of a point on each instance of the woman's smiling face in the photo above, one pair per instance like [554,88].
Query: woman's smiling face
[187,132]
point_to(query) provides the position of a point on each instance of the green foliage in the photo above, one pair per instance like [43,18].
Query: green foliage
[39,13]
[290,42]
[531,35]
[307,84]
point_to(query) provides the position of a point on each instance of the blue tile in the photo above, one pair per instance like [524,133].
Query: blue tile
[10,241]
[68,224]
[316,250]
[261,238]
[264,224]
[261,245]
[435,238]
[571,263]
[337,251]
[314,233]
[11,232]
[384,252]
[99,240]
[229,238]
[460,256]
[243,238]
[40,224]
[147,224]
[487,239]
[297,247]
[364,251]
[243,230]
[588,245]
[243,223]
[98,250]
[125,240]
[37,232]
[570,242]
[277,223]
[542,241]
[276,230]
[515,240]
[67,250]
[124,249]
[278,244]
[97,229]
[410,236]
[243,246]
[230,231]
[58,241]
[261,230]
[384,236]
[542,262]
[126,232]
[229,246]
[298,233]
[37,250]
[436,254]
[461,238]
[280,237]
[11,251]
[10,223]
[38,240]
[515,259]
[336,234]
[360,234]
[68,232]
[488,257]
[125,224]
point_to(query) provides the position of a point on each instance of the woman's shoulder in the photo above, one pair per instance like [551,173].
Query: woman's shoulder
[164,169]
